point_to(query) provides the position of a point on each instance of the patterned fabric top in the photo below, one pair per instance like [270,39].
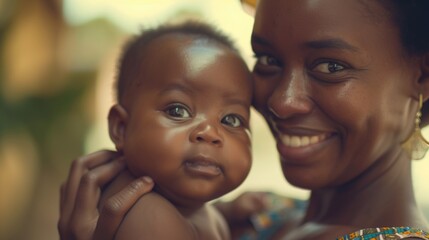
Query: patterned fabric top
[386,233]
[266,224]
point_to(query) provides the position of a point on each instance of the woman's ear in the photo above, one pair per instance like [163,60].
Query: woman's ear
[423,88]
[424,78]
[118,118]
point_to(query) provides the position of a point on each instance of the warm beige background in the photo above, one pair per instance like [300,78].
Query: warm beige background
[57,65]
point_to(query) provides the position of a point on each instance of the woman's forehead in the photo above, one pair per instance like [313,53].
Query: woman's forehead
[312,20]
[338,10]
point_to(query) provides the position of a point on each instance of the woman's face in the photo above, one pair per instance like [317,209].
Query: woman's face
[335,86]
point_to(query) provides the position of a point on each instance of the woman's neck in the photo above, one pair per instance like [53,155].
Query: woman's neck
[381,196]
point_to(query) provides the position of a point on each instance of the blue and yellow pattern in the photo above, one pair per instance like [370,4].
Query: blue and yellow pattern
[386,233]
[266,224]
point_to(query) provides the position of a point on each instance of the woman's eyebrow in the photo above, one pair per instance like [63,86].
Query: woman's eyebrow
[334,43]
[329,43]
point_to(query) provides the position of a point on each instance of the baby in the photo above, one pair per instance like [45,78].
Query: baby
[182,118]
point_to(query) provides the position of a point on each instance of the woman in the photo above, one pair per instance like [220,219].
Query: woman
[339,83]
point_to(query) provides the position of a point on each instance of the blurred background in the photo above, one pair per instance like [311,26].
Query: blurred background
[57,67]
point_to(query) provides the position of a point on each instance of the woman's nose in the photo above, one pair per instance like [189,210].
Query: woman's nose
[290,97]
[206,133]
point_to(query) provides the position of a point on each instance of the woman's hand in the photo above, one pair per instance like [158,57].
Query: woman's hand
[80,194]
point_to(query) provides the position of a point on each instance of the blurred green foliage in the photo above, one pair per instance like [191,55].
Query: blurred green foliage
[45,116]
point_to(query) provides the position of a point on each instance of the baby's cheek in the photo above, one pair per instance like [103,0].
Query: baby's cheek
[136,156]
[241,166]
[134,165]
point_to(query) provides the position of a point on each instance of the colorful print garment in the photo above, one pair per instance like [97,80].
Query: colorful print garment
[386,233]
[268,223]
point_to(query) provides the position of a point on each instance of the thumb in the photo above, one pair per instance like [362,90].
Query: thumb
[116,207]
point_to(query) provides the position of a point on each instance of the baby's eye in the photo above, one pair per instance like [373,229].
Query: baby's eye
[328,67]
[267,60]
[232,120]
[178,111]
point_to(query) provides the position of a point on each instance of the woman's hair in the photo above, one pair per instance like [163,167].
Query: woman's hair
[412,19]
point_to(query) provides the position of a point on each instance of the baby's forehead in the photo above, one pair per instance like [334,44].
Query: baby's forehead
[186,50]
[186,56]
[181,41]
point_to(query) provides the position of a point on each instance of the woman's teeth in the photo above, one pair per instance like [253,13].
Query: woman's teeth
[301,141]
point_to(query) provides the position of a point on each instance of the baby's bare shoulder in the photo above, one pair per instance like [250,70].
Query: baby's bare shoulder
[153,217]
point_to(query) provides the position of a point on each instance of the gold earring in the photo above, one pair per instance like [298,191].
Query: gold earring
[416,144]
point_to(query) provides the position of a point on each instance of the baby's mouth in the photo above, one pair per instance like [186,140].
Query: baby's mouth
[204,167]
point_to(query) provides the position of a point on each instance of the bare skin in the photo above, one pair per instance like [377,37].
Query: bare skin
[104,224]
[323,80]
[80,194]
[336,71]
[186,126]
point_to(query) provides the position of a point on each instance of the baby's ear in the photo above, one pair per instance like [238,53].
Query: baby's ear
[118,118]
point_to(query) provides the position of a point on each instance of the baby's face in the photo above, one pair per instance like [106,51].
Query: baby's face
[188,125]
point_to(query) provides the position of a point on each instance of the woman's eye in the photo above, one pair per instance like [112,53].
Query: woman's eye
[178,111]
[232,121]
[329,67]
[267,60]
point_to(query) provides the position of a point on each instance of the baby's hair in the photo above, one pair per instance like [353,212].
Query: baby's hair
[134,50]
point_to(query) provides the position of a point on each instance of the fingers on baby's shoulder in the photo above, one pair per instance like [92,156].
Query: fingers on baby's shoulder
[96,168]
[140,186]
[121,202]
[94,159]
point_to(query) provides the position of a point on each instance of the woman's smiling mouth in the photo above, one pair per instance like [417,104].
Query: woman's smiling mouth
[303,147]
[296,141]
